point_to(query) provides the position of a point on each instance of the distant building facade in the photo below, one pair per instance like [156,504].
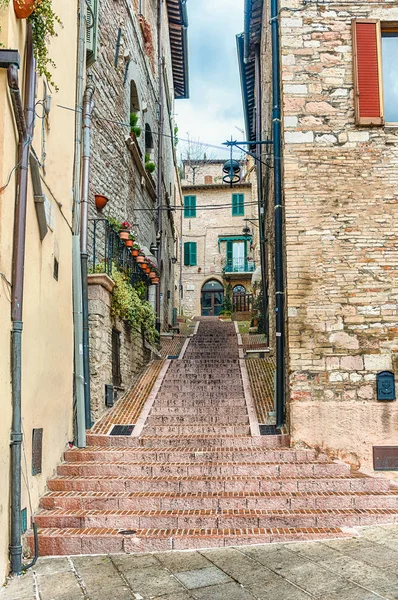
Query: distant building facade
[219,244]
[340,192]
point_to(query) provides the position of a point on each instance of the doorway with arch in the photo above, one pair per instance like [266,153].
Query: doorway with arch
[212,298]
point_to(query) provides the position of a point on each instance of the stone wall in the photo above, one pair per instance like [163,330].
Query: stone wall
[205,229]
[133,353]
[341,195]
[117,159]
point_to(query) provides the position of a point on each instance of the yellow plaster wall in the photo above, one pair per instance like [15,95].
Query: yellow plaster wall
[47,362]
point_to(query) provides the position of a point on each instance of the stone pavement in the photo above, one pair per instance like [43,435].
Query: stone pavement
[360,568]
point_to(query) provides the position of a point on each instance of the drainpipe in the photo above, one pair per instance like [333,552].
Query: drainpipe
[261,215]
[24,117]
[88,105]
[160,161]
[79,382]
[278,205]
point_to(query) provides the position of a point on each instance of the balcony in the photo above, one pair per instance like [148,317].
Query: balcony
[240,265]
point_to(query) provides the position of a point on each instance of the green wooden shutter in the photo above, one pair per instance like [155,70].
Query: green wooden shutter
[186,254]
[189,207]
[238,205]
[234,204]
[193,257]
[230,255]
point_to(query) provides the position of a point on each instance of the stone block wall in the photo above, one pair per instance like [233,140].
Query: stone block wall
[205,229]
[133,353]
[341,196]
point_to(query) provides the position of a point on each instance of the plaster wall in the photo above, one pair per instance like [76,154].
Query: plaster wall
[47,346]
[341,192]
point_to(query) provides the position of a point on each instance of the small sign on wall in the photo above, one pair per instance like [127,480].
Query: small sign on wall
[190,287]
[385,458]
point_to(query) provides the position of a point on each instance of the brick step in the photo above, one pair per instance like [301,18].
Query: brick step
[74,500]
[60,542]
[216,484]
[197,455]
[199,417]
[196,429]
[192,469]
[196,413]
[206,399]
[209,519]
[196,389]
[192,441]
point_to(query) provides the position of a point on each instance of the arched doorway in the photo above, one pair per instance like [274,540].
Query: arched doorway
[212,299]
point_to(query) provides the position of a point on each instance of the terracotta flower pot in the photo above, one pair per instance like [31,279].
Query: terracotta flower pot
[135,252]
[100,201]
[155,281]
[152,275]
[129,243]
[140,259]
[24,8]
[124,234]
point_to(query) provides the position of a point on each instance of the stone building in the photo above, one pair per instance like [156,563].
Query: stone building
[340,193]
[45,241]
[134,76]
[219,238]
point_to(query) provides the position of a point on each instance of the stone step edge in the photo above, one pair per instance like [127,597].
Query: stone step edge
[244,531]
[219,494]
[215,463]
[260,512]
[187,449]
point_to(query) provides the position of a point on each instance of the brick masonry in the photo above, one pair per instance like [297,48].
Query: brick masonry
[341,192]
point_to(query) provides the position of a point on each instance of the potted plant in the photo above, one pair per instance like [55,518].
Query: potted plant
[100,201]
[134,128]
[125,229]
[24,8]
[130,241]
[149,165]
[135,250]
[115,224]
[155,281]
[140,258]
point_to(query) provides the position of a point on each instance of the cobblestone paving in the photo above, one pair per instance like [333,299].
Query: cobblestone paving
[355,568]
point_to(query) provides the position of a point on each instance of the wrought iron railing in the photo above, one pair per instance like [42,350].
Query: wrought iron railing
[107,251]
[240,265]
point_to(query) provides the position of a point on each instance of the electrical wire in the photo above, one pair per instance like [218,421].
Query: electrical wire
[26,143]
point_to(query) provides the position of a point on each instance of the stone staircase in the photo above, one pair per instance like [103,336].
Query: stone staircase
[196,477]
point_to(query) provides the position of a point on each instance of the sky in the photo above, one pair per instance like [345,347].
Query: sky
[214,109]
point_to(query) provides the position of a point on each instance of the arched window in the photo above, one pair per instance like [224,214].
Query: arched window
[148,139]
[134,100]
[239,289]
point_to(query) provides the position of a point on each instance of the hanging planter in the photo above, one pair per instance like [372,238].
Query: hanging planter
[152,275]
[140,259]
[136,250]
[100,201]
[129,243]
[155,281]
[24,8]
[125,229]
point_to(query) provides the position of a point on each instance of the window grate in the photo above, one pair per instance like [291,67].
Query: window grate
[116,373]
[269,430]
[37,451]
[122,430]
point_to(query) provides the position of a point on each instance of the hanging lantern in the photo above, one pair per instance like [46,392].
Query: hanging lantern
[231,170]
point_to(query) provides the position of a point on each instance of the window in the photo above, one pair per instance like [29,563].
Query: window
[134,99]
[239,289]
[238,205]
[375,72]
[116,373]
[148,139]
[190,254]
[189,207]
[91,31]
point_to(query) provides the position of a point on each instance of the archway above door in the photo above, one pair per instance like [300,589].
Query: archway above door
[212,298]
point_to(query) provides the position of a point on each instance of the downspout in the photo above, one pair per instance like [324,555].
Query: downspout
[88,105]
[278,206]
[79,382]
[160,161]
[261,215]
[24,117]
